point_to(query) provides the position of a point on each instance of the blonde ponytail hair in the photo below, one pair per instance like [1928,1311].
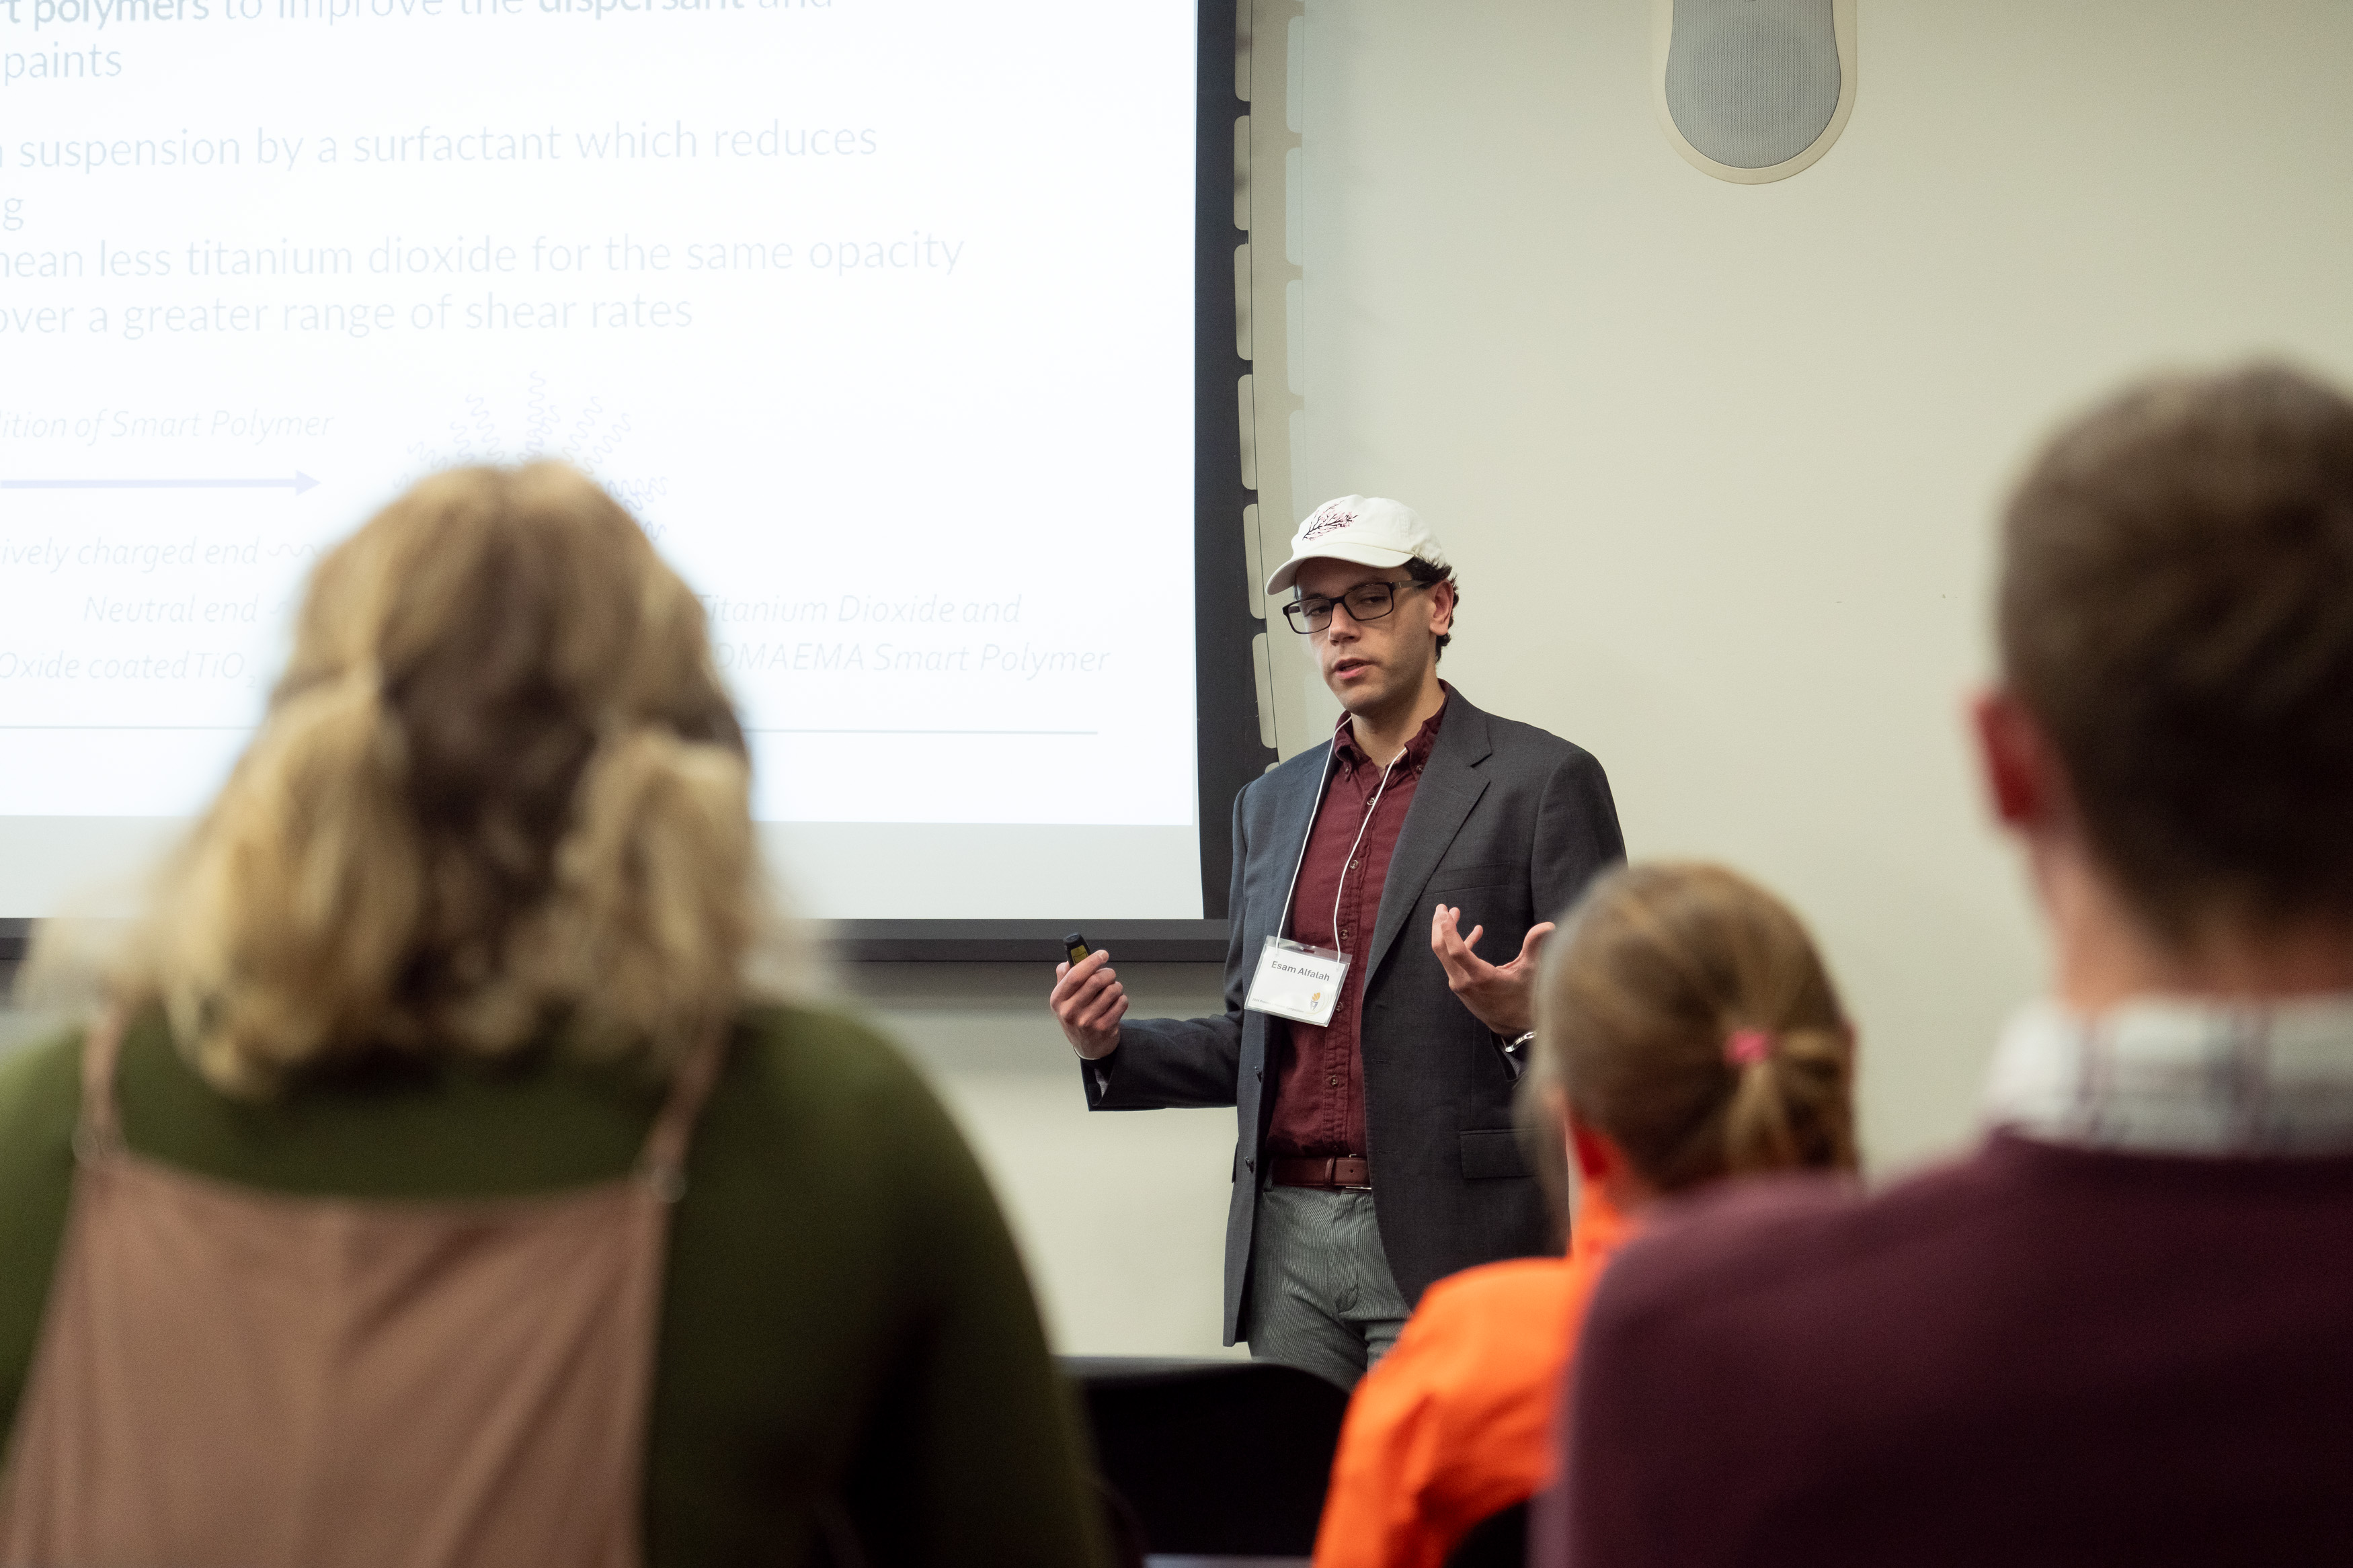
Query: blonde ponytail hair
[500,790]
[1684,1012]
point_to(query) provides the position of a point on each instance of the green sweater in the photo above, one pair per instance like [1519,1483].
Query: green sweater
[845,1323]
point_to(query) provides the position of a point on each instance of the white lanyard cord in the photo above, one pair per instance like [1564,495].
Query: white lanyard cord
[1323,783]
[1342,891]
[1284,925]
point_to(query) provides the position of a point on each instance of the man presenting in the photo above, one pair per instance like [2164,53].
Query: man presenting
[1370,1067]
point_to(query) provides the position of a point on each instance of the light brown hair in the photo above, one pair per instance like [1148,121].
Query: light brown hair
[499,789]
[2177,613]
[1653,974]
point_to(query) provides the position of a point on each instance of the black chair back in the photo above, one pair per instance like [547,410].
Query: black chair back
[1213,1457]
[1498,1541]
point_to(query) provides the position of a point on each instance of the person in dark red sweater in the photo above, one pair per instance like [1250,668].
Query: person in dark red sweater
[2121,1331]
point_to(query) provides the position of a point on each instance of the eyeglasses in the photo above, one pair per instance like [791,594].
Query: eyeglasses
[1366,602]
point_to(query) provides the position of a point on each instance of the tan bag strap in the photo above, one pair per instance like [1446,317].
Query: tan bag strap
[662,1165]
[100,1133]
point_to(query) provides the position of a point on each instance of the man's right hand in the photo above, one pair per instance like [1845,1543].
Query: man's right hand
[1089,1003]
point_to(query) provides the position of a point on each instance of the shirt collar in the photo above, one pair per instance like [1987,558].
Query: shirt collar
[2171,1076]
[1417,750]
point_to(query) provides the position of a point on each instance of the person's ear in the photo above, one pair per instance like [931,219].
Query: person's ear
[1441,608]
[2022,773]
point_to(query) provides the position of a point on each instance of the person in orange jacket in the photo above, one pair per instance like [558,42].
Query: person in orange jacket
[1687,1032]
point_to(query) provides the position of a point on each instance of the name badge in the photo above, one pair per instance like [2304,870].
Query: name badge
[1295,981]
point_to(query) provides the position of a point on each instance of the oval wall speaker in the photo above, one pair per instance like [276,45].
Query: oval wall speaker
[1752,90]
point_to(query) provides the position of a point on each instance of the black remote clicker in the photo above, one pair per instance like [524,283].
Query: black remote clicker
[1076,946]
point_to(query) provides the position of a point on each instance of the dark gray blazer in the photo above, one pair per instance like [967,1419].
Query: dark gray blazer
[1509,823]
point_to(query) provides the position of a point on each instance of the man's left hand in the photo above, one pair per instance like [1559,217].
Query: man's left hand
[1501,997]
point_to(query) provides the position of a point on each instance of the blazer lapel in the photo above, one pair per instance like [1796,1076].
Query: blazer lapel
[1451,786]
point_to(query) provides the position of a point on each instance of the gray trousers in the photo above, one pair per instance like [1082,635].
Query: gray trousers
[1321,1296]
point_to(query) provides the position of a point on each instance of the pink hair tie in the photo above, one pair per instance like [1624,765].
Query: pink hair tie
[1746,1047]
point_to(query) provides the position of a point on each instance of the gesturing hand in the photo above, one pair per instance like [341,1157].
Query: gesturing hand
[1089,1002]
[1501,997]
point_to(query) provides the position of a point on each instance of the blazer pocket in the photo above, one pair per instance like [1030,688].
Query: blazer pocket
[1449,878]
[1491,1153]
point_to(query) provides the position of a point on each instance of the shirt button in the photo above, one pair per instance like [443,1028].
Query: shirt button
[1333,1081]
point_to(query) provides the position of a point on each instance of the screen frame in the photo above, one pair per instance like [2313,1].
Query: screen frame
[1229,746]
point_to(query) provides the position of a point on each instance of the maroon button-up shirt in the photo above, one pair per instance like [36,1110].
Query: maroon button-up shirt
[1319,1091]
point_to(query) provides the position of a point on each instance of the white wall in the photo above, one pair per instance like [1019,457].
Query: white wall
[1121,1217]
[1718,463]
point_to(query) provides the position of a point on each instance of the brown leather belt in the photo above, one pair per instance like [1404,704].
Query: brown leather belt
[1334,1171]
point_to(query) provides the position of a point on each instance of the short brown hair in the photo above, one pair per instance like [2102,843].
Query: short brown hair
[1655,971]
[2177,613]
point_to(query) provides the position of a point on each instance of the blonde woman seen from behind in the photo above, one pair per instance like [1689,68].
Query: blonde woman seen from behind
[435,1189]
[1687,1033]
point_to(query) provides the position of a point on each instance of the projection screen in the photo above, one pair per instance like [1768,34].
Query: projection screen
[882,317]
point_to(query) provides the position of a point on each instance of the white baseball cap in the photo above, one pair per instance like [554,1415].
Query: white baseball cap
[1368,530]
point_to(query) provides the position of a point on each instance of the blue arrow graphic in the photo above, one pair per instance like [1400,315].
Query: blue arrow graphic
[297,484]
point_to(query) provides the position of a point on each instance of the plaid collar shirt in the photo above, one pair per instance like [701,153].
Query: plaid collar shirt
[2178,1077]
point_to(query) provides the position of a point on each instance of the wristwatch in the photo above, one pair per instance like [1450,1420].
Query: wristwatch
[1515,1051]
